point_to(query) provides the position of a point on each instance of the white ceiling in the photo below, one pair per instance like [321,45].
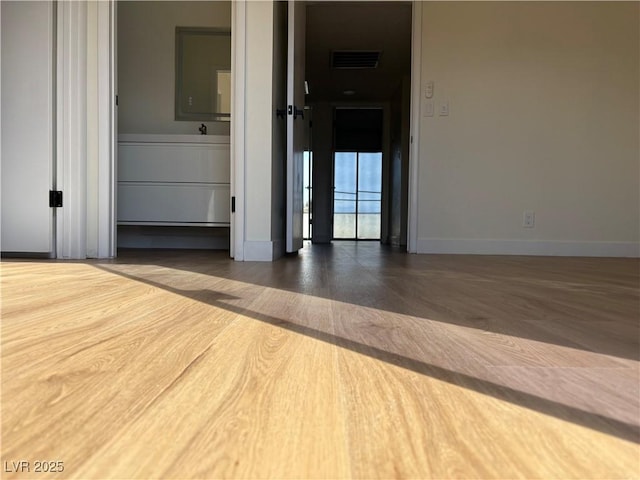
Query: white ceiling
[384,26]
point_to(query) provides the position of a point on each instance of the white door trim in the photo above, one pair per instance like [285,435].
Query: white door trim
[238,120]
[414,147]
[71,124]
[106,222]
[72,139]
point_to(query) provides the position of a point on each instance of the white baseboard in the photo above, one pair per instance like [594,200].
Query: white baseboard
[263,251]
[528,247]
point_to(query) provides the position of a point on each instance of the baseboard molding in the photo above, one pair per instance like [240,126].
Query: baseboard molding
[528,247]
[263,251]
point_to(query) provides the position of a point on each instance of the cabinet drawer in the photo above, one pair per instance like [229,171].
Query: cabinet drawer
[167,203]
[150,162]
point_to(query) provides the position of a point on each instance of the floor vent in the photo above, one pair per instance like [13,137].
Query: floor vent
[355,59]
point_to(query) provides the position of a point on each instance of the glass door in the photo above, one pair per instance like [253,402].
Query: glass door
[357,197]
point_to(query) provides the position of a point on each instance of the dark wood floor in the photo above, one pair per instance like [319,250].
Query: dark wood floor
[347,360]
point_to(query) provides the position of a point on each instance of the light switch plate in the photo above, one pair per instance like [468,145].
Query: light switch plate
[428,89]
[428,108]
[444,109]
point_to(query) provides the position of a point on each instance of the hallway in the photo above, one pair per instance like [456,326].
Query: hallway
[349,360]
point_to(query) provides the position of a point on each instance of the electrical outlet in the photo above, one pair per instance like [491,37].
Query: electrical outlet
[529,219]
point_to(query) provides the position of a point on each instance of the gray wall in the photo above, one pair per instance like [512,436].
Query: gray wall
[146,63]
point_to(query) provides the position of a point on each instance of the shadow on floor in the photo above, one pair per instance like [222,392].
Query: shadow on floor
[590,308]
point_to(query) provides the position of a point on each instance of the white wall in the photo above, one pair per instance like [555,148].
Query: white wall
[544,116]
[146,59]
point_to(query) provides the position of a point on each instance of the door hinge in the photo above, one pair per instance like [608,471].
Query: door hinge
[233,204]
[55,198]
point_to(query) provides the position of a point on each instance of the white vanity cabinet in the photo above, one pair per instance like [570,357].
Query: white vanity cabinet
[174,180]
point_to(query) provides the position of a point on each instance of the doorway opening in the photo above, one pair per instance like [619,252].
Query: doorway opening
[357,173]
[359,80]
[173,181]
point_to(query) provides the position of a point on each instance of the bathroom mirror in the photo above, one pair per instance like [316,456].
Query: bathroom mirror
[203,74]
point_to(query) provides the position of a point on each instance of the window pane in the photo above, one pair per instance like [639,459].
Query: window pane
[344,226]
[369,195]
[344,195]
[345,172]
[368,226]
[370,174]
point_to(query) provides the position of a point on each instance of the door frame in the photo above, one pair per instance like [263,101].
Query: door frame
[237,134]
[86,231]
[71,132]
[414,125]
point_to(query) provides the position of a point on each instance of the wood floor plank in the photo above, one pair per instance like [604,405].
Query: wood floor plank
[80,386]
[418,427]
[242,419]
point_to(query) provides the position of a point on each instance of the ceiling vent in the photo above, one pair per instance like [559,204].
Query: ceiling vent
[344,59]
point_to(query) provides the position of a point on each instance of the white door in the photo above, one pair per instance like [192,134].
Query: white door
[295,123]
[27,126]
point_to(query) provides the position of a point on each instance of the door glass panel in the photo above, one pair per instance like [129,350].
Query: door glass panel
[369,195]
[344,195]
[357,200]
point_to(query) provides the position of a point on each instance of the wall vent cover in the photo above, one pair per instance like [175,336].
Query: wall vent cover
[346,59]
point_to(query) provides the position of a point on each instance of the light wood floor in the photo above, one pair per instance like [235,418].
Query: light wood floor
[348,360]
